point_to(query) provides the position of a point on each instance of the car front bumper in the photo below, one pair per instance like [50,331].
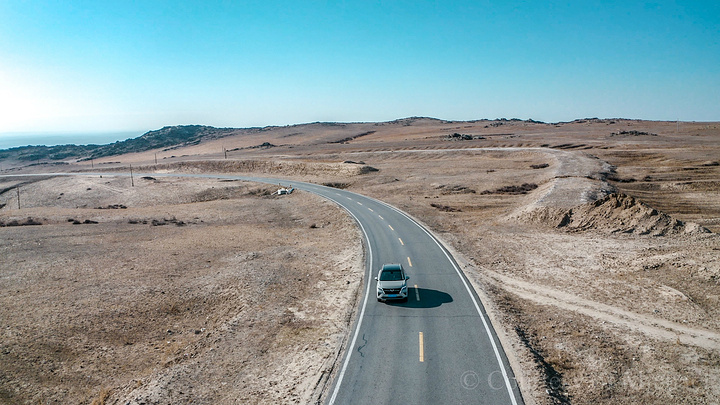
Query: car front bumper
[392,296]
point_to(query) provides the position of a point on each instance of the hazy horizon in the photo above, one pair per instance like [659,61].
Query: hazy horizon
[48,138]
[20,139]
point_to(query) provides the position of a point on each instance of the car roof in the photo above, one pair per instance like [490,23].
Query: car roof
[392,267]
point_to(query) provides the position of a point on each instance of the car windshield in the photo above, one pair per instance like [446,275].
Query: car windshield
[391,275]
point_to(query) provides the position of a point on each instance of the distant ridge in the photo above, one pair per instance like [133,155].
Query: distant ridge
[172,137]
[166,137]
[169,136]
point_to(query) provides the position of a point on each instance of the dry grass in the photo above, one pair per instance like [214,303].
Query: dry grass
[589,315]
[102,396]
[172,313]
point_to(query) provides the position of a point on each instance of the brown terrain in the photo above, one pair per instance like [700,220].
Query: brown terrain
[592,243]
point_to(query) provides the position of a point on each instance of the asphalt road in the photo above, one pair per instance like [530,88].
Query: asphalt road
[438,347]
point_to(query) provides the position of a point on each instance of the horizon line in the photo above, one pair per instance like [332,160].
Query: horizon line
[144,131]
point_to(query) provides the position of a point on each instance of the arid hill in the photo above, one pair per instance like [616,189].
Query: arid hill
[587,240]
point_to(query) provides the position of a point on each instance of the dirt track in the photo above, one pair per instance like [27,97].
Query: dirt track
[590,308]
[602,298]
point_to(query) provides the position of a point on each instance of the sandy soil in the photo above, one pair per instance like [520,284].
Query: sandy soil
[615,306]
[588,240]
[204,291]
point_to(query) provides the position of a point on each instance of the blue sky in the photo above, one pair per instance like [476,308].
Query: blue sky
[111,66]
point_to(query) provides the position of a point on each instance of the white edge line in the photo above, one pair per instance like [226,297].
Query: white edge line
[467,287]
[459,273]
[264,180]
[362,311]
[477,307]
[367,291]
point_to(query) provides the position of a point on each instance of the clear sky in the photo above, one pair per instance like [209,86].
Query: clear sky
[112,66]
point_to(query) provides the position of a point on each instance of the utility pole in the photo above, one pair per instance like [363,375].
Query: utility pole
[18,193]
[92,163]
[225,152]
[156,159]
[132,182]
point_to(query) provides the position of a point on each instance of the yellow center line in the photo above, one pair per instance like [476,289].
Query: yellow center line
[401,242]
[409,262]
[422,348]
[391,227]
[417,293]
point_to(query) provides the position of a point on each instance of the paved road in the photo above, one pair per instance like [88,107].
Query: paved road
[438,347]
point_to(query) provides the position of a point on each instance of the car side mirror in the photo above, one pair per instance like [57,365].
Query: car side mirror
[375,278]
[407,277]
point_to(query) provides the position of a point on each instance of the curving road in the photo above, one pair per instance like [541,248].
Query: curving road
[438,347]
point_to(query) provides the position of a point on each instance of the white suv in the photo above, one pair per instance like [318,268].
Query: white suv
[392,283]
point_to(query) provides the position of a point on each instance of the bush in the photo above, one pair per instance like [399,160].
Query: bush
[522,189]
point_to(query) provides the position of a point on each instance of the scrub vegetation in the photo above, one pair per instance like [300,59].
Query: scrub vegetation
[595,251]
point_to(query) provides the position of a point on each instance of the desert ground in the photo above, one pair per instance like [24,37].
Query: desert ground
[592,243]
[200,291]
